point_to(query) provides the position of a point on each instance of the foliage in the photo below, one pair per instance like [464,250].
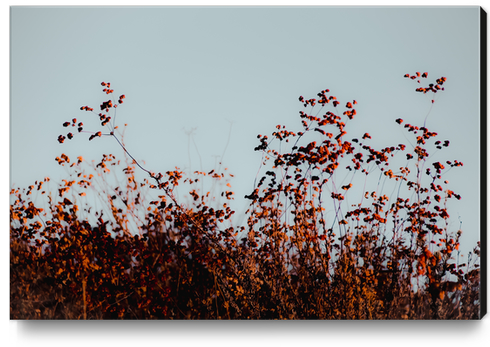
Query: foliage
[304,253]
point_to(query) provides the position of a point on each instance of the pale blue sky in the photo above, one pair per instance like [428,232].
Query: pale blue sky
[209,68]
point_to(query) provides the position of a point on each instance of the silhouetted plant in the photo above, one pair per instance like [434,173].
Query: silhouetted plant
[162,248]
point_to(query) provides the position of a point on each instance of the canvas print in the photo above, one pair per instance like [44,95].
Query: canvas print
[247,163]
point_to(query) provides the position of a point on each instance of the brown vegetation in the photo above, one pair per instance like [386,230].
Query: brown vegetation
[304,253]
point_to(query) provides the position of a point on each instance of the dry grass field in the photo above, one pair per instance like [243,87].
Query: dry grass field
[335,229]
